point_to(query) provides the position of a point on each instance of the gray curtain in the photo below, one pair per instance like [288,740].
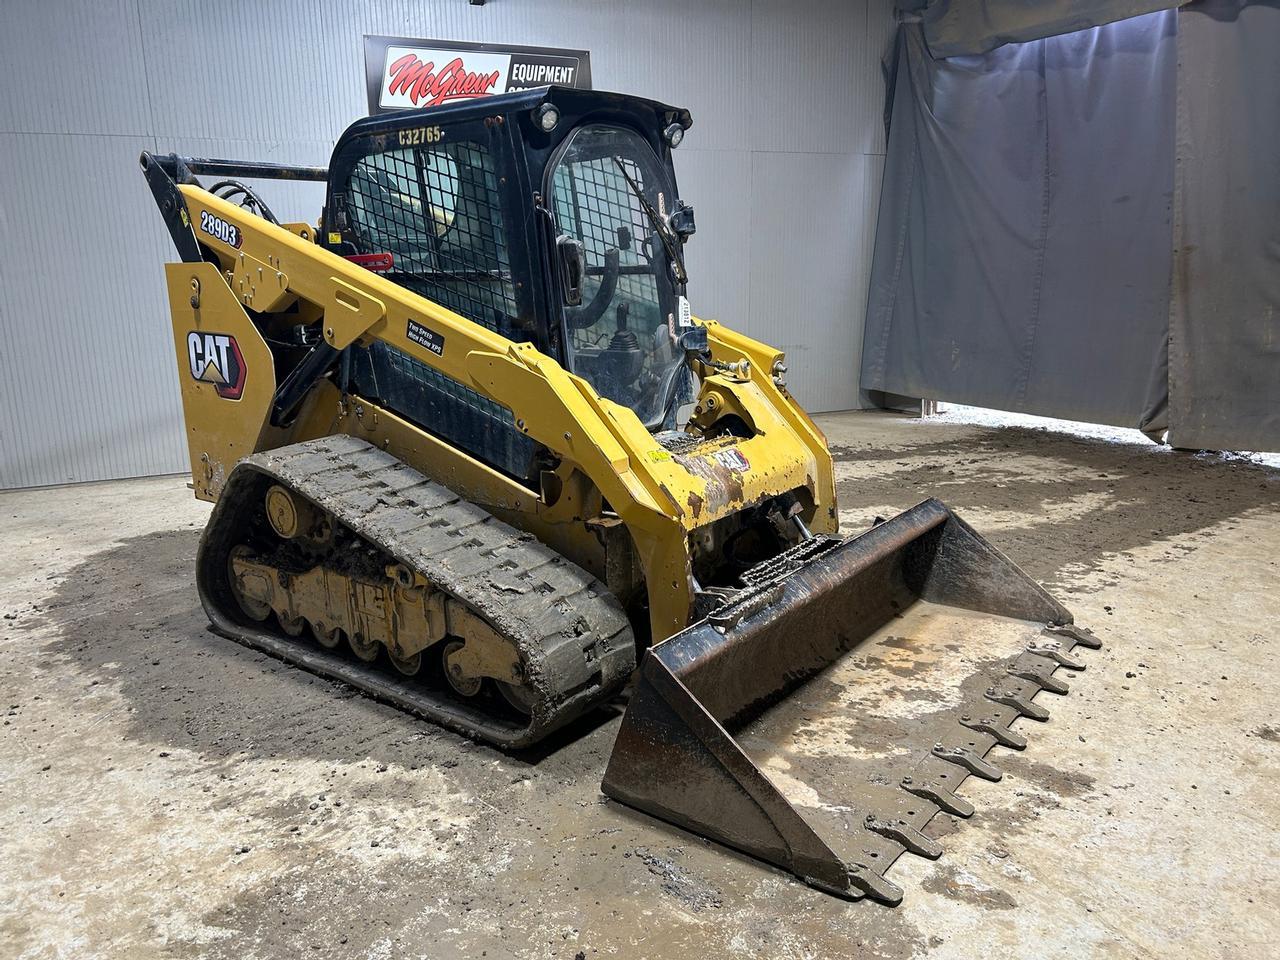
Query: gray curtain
[958,27]
[1088,225]
[1022,249]
[1224,350]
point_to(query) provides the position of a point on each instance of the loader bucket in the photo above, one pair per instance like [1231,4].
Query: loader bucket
[863,680]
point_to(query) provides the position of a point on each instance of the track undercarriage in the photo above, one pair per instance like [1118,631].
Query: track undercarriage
[339,558]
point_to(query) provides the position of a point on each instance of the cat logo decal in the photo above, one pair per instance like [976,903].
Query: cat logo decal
[216,359]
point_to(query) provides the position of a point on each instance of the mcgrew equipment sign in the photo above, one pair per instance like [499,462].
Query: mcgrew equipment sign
[405,74]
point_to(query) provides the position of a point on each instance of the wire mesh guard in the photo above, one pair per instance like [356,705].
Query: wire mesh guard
[609,193]
[593,202]
[437,211]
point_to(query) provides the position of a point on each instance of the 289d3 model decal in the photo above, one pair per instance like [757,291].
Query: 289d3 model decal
[219,229]
[215,358]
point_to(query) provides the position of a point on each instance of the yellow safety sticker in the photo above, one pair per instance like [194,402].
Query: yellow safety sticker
[335,237]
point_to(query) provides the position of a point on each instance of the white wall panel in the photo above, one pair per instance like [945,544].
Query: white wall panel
[72,67]
[783,165]
[804,70]
[88,383]
[718,182]
[808,293]
[882,27]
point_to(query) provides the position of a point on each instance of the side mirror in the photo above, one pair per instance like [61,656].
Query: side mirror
[694,340]
[572,268]
[681,220]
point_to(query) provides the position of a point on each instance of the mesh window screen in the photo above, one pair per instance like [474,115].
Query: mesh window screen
[437,211]
[593,201]
[415,391]
[610,193]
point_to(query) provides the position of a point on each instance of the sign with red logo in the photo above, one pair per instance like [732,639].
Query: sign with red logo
[405,74]
[216,359]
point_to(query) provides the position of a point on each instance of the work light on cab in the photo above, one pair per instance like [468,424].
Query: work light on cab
[547,116]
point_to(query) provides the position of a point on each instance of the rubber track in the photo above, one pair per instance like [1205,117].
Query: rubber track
[575,641]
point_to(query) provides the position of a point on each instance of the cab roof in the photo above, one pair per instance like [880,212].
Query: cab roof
[572,102]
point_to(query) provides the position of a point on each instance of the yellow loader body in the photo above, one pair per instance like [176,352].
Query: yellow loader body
[637,501]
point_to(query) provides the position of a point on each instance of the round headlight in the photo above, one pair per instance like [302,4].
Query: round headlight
[547,116]
[673,134]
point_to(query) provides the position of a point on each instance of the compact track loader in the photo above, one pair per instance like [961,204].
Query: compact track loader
[471,453]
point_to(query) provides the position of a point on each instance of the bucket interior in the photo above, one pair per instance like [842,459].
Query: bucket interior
[838,746]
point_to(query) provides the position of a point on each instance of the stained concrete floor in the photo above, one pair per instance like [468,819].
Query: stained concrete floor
[166,793]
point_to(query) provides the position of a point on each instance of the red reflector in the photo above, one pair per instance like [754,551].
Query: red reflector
[377,262]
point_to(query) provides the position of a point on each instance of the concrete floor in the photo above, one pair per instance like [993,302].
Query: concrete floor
[169,793]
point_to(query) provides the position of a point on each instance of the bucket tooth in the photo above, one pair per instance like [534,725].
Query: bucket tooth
[1056,654]
[1000,733]
[1080,635]
[872,884]
[1011,698]
[1045,682]
[939,796]
[899,831]
[964,757]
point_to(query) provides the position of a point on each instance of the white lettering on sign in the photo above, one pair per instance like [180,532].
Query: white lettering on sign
[218,228]
[423,337]
[539,74]
[686,315]
[215,358]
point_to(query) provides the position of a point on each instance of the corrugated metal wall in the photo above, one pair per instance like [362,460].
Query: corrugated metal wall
[783,164]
